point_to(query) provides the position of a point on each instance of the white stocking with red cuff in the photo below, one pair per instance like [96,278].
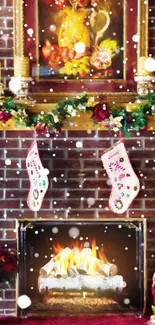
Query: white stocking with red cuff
[125,183]
[38,178]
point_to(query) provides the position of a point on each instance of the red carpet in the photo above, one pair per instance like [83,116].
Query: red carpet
[74,320]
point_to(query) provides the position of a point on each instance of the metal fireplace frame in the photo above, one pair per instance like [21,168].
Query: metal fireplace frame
[21,245]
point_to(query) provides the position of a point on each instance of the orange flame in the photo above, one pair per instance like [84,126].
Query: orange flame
[57,248]
[79,257]
[79,245]
[93,244]
[101,255]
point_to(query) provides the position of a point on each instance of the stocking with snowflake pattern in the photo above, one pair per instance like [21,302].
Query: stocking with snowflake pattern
[125,183]
[38,178]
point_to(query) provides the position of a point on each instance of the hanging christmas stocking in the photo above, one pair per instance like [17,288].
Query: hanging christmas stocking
[125,184]
[38,178]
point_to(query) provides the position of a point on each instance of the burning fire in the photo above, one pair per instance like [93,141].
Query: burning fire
[78,260]
[83,259]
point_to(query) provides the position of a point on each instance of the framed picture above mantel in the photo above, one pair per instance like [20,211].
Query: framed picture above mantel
[80,46]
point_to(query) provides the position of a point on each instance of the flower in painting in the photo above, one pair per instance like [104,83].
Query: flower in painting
[101,59]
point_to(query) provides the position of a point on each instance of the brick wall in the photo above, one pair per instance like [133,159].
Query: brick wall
[6,38]
[68,191]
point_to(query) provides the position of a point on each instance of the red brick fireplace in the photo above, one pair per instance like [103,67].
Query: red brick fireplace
[75,174]
[69,191]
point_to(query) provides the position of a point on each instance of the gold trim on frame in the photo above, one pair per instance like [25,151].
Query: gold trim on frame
[124,37]
[142,220]
[18,30]
[142,23]
[110,98]
[37,39]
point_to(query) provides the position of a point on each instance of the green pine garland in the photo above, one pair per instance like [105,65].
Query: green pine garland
[49,123]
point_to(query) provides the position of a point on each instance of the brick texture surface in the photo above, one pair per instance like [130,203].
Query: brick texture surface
[68,191]
[75,175]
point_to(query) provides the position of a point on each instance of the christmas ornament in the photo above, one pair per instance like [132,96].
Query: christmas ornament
[38,178]
[125,184]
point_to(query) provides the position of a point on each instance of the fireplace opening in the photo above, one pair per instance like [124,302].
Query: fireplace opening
[83,267]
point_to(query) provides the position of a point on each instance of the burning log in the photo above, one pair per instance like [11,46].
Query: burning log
[108,269]
[86,253]
[113,270]
[46,269]
[72,272]
[82,263]
[64,258]
[61,258]
[57,270]
[93,265]
[65,254]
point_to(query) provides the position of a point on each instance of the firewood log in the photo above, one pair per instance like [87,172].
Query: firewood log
[102,283]
[107,269]
[86,253]
[57,269]
[81,283]
[85,257]
[58,284]
[72,272]
[76,260]
[93,265]
[47,268]
[66,253]
[63,256]
[113,270]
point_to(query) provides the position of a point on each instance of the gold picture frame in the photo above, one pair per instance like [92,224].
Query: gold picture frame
[41,90]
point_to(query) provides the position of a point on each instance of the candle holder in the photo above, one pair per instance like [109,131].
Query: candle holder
[20,87]
[144,78]
[141,69]
[1,92]
[144,85]
[19,84]
[21,66]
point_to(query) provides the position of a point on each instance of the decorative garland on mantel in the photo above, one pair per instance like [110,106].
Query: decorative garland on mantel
[115,118]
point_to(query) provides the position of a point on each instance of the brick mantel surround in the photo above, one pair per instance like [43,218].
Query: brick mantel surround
[68,190]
